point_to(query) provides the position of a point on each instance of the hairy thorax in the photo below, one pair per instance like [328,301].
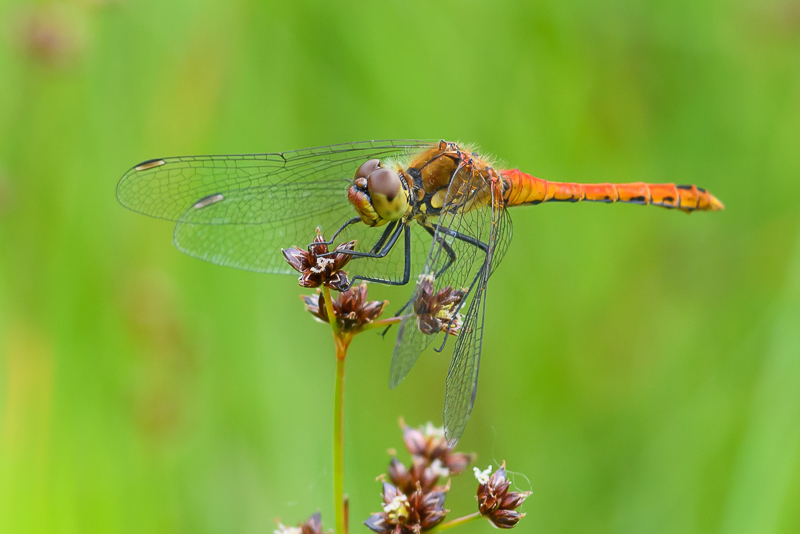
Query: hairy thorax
[449,178]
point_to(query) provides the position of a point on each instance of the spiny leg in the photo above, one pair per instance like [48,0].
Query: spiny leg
[451,254]
[465,238]
[451,259]
[402,228]
[386,233]
[382,254]
[337,232]
[476,243]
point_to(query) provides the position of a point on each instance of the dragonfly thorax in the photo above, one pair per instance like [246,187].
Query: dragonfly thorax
[378,194]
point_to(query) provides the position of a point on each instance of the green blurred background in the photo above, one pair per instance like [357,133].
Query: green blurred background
[640,366]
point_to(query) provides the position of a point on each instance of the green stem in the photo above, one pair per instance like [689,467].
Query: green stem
[331,317]
[338,444]
[383,322]
[456,522]
[341,341]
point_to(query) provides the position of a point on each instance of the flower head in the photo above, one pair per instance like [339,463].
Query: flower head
[351,308]
[430,443]
[420,474]
[437,312]
[317,266]
[495,502]
[313,525]
[407,514]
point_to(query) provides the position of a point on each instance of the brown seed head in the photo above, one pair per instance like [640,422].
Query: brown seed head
[407,514]
[317,267]
[421,474]
[352,309]
[437,312]
[429,442]
[495,502]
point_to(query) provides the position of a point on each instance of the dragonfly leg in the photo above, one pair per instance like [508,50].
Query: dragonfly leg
[386,233]
[401,228]
[465,238]
[474,242]
[451,254]
[382,254]
[451,258]
[336,233]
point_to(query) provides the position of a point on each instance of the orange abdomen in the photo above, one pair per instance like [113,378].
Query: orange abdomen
[521,188]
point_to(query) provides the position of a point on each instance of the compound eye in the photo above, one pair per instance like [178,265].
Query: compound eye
[387,195]
[367,167]
[384,182]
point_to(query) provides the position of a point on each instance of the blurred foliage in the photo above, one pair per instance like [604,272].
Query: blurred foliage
[641,366]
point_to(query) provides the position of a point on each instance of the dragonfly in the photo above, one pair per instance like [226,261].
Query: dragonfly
[435,213]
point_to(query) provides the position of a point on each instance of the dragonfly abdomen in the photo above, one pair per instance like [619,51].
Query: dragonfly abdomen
[521,188]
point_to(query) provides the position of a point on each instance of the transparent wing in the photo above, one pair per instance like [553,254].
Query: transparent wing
[252,188]
[503,235]
[392,267]
[462,377]
[257,247]
[457,253]
[240,210]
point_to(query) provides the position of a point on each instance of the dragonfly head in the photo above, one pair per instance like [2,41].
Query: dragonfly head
[378,194]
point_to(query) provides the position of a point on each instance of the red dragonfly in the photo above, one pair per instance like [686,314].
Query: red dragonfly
[433,212]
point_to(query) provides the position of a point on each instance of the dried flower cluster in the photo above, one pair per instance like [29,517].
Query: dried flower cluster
[437,311]
[413,493]
[318,266]
[351,308]
[404,514]
[429,444]
[413,499]
[495,502]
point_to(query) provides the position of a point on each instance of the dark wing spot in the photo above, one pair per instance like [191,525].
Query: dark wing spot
[149,164]
[207,201]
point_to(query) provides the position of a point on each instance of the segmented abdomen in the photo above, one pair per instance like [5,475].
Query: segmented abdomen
[521,188]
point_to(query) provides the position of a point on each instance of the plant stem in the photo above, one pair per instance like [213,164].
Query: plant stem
[341,342]
[331,317]
[338,443]
[383,322]
[456,522]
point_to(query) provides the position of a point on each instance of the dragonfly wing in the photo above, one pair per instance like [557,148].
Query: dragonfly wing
[267,185]
[410,344]
[457,253]
[462,377]
[257,247]
[502,237]
[240,210]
